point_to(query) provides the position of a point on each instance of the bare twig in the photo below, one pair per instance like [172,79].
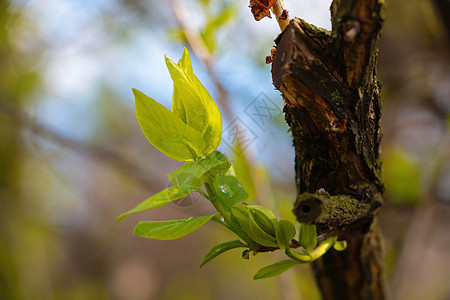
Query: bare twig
[24,121]
[281,14]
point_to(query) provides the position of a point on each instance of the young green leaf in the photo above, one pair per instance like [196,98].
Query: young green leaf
[198,109]
[166,131]
[245,218]
[162,198]
[236,227]
[275,269]
[308,237]
[185,63]
[170,230]
[300,258]
[241,215]
[320,250]
[228,190]
[265,218]
[194,111]
[259,235]
[213,134]
[178,107]
[221,248]
[267,212]
[340,245]
[285,233]
[194,174]
[323,247]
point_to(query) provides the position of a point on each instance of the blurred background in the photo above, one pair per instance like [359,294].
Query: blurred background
[72,155]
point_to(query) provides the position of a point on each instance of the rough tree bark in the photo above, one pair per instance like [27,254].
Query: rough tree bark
[333,107]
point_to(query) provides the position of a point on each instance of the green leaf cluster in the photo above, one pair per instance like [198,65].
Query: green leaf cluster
[193,128]
[191,132]
[308,237]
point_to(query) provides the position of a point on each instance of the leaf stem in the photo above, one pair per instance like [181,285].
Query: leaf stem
[304,258]
[217,205]
[203,193]
[281,14]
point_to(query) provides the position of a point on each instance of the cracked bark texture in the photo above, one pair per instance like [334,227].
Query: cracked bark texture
[333,107]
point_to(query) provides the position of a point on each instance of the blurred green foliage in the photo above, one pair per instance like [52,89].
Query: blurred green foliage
[401,177]
[19,227]
[243,170]
[217,15]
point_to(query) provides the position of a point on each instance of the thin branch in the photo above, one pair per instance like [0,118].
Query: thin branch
[24,121]
[281,14]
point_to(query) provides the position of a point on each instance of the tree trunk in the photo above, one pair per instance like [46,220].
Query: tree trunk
[333,107]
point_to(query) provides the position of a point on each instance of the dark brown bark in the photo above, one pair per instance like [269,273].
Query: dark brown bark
[333,107]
